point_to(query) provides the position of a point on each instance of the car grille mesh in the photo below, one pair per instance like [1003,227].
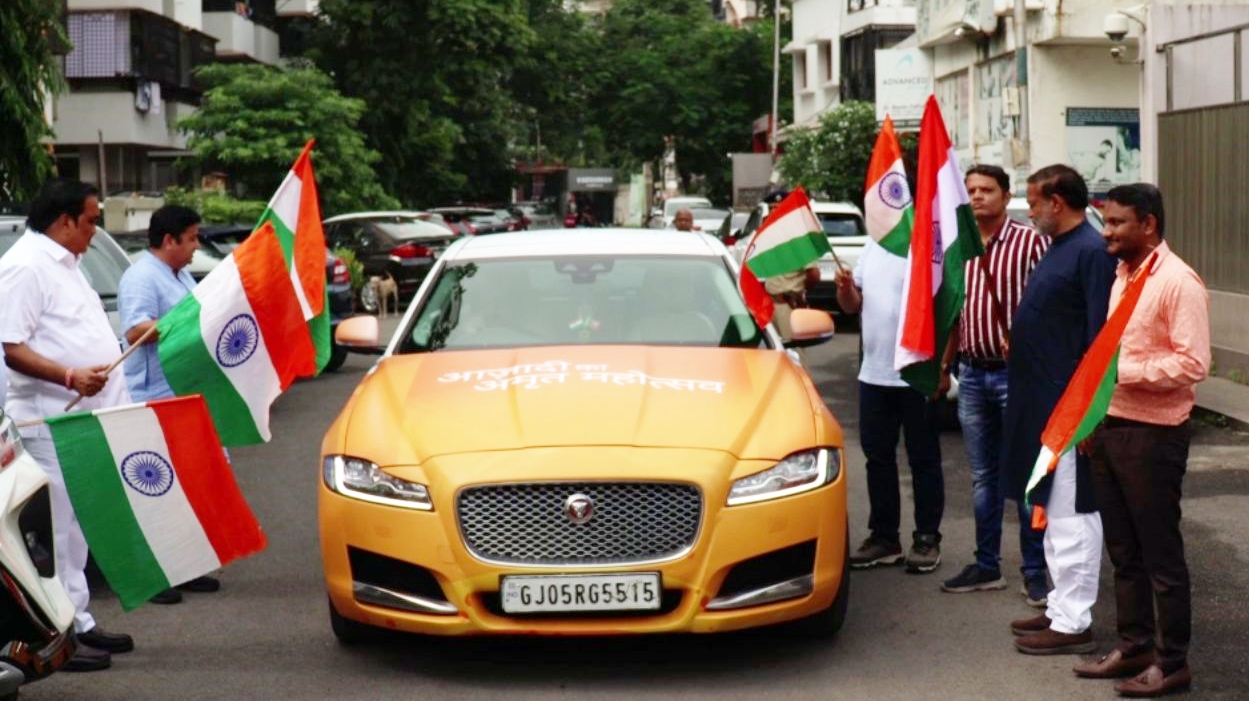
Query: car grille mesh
[527,524]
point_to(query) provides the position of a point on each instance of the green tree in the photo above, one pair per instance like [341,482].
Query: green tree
[435,76]
[671,70]
[831,160]
[255,120]
[29,74]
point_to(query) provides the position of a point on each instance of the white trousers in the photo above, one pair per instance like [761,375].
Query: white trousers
[1073,553]
[67,538]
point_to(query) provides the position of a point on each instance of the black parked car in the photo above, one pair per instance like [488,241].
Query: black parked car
[218,240]
[399,244]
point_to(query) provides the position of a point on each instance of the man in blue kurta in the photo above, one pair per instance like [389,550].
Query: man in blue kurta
[1063,307]
[149,288]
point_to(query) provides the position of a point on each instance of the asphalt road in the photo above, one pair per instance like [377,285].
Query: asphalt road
[266,634]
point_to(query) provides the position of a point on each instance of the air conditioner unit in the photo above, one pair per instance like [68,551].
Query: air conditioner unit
[1005,8]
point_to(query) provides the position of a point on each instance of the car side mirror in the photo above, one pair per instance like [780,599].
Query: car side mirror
[359,334]
[809,327]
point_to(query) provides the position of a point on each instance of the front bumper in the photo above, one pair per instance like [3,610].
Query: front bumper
[751,565]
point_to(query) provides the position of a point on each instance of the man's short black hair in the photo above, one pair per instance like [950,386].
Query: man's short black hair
[171,219]
[1064,181]
[995,172]
[1144,199]
[58,196]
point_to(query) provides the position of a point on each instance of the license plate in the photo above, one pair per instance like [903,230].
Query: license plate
[636,591]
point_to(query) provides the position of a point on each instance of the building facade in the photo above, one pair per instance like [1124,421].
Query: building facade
[131,78]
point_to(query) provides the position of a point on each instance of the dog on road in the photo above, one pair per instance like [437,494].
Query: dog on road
[385,289]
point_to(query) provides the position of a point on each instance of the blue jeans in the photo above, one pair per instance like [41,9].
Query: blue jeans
[883,413]
[981,408]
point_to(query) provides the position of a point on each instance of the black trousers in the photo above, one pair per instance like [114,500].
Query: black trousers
[1137,471]
[884,412]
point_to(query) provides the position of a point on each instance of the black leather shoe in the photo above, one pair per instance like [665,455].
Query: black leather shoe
[168,596]
[201,584]
[99,638]
[88,659]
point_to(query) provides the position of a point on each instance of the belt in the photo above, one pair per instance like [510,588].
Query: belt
[1120,422]
[796,300]
[986,363]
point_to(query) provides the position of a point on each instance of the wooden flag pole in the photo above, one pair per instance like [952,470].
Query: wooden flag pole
[133,347]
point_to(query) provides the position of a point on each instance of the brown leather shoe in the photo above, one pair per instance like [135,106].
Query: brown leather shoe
[1153,682]
[1051,642]
[1115,665]
[1027,626]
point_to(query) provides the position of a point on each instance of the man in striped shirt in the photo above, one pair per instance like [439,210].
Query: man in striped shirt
[994,283]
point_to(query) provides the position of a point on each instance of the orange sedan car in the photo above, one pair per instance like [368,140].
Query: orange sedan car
[583,433]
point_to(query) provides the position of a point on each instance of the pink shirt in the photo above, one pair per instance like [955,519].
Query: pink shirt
[1166,346]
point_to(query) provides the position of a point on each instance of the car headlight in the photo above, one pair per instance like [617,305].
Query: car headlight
[361,479]
[800,472]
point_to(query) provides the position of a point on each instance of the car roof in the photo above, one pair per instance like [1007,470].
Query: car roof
[573,242]
[415,214]
[835,208]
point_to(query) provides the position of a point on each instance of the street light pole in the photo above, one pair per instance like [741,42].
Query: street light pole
[776,76]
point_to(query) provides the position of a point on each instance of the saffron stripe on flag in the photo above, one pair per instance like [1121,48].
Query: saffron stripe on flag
[101,506]
[260,262]
[214,496]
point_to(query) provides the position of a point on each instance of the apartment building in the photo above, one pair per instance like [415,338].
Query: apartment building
[833,50]
[131,78]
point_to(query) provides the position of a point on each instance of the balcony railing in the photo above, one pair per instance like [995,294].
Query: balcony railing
[134,44]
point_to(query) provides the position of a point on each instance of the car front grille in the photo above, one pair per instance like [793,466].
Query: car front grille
[629,522]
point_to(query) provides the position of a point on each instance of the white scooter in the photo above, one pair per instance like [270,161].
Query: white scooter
[36,616]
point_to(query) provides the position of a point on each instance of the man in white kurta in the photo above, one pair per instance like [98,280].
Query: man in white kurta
[58,342]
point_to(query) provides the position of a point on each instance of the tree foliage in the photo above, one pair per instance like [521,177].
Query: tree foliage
[672,70]
[255,120]
[831,160]
[217,207]
[28,74]
[435,76]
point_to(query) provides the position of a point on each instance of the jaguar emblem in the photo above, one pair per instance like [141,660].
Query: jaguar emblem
[579,508]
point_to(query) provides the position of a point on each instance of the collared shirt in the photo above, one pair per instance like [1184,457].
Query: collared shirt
[51,308]
[148,290]
[1063,307]
[1011,255]
[880,277]
[1165,349]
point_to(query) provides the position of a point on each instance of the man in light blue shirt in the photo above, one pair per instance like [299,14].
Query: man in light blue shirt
[149,288]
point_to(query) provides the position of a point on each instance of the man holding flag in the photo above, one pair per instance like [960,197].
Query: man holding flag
[149,288]
[888,406]
[1140,453]
[1062,310]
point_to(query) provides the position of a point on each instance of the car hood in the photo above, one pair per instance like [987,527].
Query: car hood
[752,403]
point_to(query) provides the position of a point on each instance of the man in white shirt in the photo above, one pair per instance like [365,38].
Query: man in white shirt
[58,344]
[889,407]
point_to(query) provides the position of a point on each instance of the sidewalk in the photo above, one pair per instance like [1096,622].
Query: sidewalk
[1225,397]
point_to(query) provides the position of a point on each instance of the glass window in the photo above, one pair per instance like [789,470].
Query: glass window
[583,300]
[836,225]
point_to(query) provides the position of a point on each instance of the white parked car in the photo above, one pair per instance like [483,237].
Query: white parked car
[662,218]
[1017,208]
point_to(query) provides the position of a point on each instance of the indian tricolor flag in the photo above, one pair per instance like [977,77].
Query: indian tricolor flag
[887,203]
[154,494]
[295,213]
[943,238]
[789,240]
[239,339]
[1084,402]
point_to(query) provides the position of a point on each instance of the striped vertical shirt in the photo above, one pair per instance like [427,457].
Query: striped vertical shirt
[1012,253]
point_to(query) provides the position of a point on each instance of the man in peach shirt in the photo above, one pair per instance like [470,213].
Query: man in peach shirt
[1140,453]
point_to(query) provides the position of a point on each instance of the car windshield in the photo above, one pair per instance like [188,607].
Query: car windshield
[717,214]
[836,225]
[101,266]
[671,207]
[563,300]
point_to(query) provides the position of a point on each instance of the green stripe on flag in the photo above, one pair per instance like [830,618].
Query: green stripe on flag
[191,369]
[103,509]
[790,256]
[286,237]
[1100,404]
[898,241]
[319,327]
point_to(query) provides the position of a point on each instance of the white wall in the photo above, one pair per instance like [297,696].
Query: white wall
[815,22]
[1072,76]
[889,13]
[188,13]
[80,116]
[156,6]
